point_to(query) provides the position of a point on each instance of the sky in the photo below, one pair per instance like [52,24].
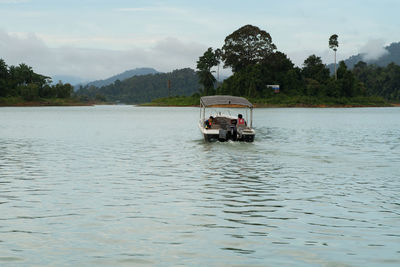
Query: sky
[95,39]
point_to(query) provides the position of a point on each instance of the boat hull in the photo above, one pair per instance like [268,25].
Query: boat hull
[213,135]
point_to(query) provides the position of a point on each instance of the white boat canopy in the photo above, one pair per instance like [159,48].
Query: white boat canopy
[224,100]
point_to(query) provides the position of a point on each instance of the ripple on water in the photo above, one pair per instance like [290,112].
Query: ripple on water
[87,185]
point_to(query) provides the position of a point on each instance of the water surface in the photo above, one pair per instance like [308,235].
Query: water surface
[124,185]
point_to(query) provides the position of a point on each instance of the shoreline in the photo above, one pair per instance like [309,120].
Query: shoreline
[29,104]
[50,103]
[78,104]
[325,106]
[72,103]
[283,101]
[284,106]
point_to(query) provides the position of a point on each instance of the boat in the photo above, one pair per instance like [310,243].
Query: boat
[224,126]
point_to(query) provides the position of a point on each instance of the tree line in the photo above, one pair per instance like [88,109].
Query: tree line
[256,63]
[22,81]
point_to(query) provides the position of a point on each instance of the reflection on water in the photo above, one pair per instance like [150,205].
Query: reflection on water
[123,185]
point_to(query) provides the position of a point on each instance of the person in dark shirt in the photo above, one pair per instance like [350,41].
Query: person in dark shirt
[209,122]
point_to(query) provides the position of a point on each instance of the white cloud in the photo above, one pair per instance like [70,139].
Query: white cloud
[134,9]
[14,1]
[91,64]
[373,49]
[99,41]
[152,9]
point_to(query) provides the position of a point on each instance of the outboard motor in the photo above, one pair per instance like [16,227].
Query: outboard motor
[223,134]
[233,133]
[232,130]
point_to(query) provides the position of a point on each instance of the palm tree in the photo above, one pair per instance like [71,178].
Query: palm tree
[334,44]
[25,73]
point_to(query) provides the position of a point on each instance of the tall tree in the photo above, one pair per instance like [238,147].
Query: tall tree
[208,60]
[334,44]
[246,46]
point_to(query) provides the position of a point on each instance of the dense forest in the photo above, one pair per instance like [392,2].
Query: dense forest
[144,88]
[21,82]
[256,63]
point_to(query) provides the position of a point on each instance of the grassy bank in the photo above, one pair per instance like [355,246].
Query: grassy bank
[180,101]
[187,101]
[20,102]
[283,101]
[308,101]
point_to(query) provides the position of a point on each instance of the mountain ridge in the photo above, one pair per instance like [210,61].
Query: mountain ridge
[121,76]
[144,88]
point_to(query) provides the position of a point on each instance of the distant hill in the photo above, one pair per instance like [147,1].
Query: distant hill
[144,88]
[392,55]
[122,76]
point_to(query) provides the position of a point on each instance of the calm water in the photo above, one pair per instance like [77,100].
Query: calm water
[127,186]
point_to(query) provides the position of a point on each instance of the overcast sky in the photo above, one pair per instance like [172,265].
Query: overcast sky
[95,39]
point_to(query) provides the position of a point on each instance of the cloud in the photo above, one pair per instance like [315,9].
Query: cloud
[90,64]
[96,41]
[160,9]
[134,9]
[373,50]
[14,1]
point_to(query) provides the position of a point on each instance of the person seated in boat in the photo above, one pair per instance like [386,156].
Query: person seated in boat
[240,121]
[208,123]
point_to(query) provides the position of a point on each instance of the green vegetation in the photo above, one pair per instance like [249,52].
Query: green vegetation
[379,81]
[19,101]
[246,46]
[20,85]
[281,100]
[176,101]
[312,101]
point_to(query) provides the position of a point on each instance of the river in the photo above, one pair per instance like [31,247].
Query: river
[138,186]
